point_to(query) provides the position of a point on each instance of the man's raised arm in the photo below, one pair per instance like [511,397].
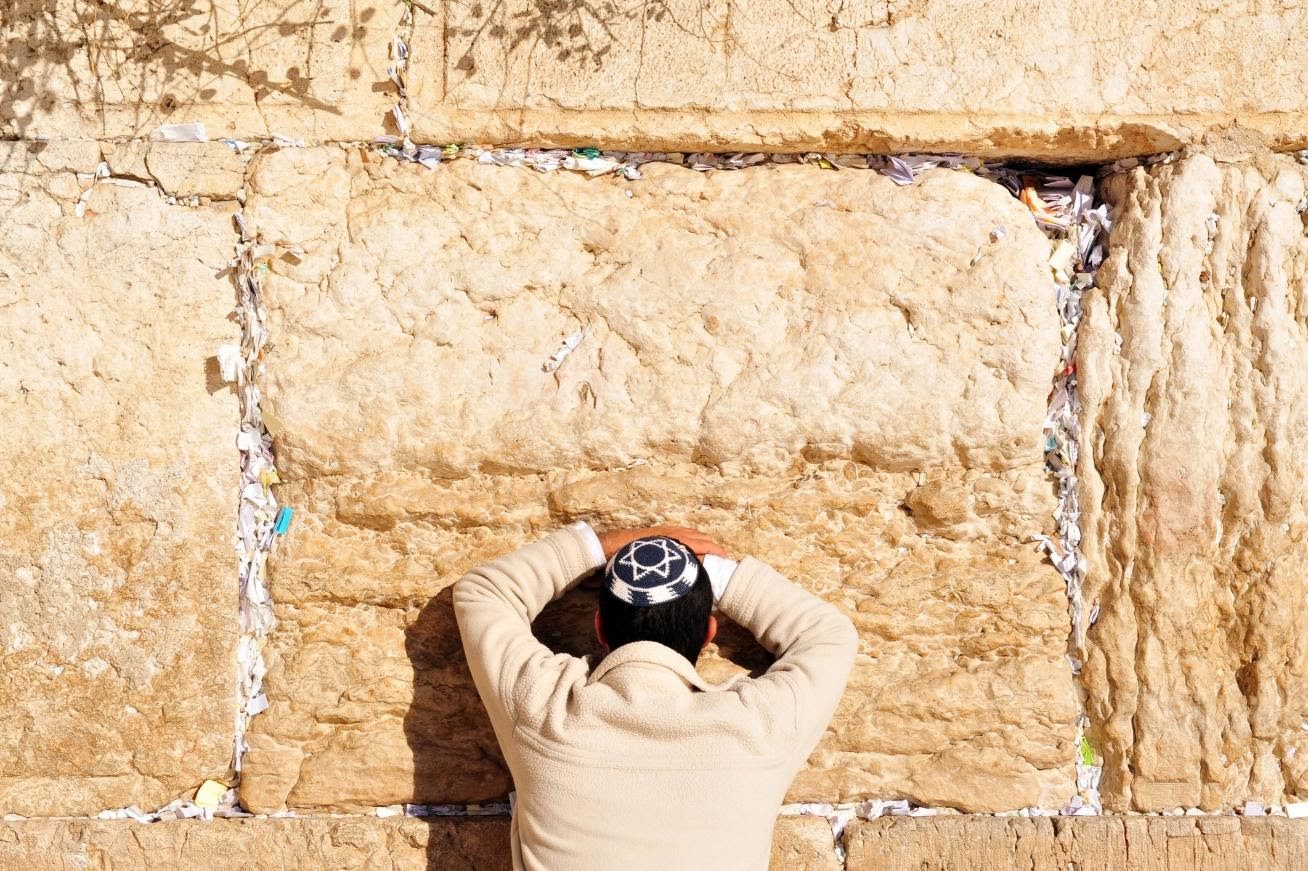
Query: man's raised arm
[496,602]
[814,643]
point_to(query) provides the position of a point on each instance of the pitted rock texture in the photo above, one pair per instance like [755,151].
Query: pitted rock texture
[966,843]
[1193,494]
[117,579]
[1066,81]
[360,843]
[837,374]
[296,68]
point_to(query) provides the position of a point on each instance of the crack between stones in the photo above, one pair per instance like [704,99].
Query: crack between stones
[259,519]
[1077,254]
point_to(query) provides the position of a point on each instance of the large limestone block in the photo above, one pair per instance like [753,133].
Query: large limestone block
[117,492]
[1067,80]
[1193,467]
[1079,80]
[963,843]
[318,844]
[358,843]
[840,375]
[299,68]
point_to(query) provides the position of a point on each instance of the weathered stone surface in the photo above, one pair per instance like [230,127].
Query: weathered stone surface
[1194,445]
[299,68]
[183,169]
[1071,81]
[969,843]
[359,843]
[1068,81]
[118,477]
[327,843]
[804,844]
[815,366]
[962,843]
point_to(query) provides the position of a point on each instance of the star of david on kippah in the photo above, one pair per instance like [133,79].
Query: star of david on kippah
[650,571]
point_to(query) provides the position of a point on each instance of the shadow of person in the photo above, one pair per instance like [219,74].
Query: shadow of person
[456,759]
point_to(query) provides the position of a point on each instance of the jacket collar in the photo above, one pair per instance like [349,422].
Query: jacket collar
[655,654]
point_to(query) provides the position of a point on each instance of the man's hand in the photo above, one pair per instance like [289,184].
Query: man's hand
[699,542]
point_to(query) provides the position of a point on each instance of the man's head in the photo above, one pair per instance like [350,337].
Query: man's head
[656,589]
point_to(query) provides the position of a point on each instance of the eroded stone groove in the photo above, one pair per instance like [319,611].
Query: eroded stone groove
[1078,225]
[1192,485]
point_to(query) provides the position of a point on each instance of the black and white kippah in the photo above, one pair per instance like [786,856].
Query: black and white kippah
[651,571]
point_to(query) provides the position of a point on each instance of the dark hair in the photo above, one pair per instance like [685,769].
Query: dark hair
[681,624]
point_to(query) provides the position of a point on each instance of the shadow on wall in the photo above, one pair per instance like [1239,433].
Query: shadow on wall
[576,32]
[434,649]
[432,645]
[156,59]
[148,62]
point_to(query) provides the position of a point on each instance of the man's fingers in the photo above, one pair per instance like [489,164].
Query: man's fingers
[675,531]
[705,546]
[701,543]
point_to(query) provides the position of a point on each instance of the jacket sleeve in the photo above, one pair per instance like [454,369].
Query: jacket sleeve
[496,602]
[813,642]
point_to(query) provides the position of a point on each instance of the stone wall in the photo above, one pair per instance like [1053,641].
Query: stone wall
[117,489]
[1066,81]
[799,844]
[771,354]
[841,374]
[1194,430]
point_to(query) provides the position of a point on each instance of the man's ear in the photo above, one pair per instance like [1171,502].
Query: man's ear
[599,631]
[708,636]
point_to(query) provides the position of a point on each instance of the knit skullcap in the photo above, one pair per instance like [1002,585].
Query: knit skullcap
[651,571]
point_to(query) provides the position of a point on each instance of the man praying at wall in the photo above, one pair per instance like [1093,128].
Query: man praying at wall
[638,762]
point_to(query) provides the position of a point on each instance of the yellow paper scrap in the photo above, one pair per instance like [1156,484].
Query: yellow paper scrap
[210,793]
[1061,260]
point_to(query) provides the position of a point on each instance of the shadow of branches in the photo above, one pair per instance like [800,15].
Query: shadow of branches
[126,66]
[582,32]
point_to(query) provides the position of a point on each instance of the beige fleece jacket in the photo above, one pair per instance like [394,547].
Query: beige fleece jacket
[639,763]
